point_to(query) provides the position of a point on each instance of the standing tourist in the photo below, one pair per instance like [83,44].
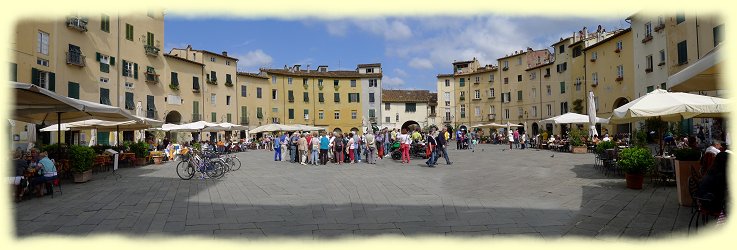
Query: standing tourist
[459,135]
[515,136]
[405,141]
[324,146]
[432,145]
[302,146]
[351,148]
[293,147]
[370,147]
[315,141]
[283,146]
[338,148]
[510,138]
[380,144]
[441,147]
[277,149]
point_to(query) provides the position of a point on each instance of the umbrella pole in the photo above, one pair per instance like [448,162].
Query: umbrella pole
[117,135]
[58,134]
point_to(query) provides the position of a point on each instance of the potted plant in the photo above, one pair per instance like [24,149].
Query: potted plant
[140,149]
[686,160]
[603,146]
[157,156]
[577,145]
[635,162]
[81,158]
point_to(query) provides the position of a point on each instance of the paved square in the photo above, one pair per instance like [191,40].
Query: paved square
[489,192]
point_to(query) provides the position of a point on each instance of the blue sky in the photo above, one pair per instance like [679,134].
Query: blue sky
[412,50]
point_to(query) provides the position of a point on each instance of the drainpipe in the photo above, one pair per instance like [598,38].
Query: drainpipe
[585,88]
[698,54]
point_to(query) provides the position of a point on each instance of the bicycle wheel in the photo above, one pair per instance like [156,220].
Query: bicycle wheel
[215,170]
[185,171]
[236,163]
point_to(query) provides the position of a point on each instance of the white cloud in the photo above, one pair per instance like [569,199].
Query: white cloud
[420,63]
[337,28]
[254,59]
[389,30]
[389,81]
[400,72]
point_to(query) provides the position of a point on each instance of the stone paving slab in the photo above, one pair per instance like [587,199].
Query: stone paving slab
[489,192]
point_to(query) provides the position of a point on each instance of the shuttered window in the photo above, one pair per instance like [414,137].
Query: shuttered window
[682,52]
[73,90]
[105,96]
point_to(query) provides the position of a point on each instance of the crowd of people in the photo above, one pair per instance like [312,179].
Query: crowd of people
[311,148]
[34,172]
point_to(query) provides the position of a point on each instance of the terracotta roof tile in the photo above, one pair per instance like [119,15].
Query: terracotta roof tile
[257,75]
[369,65]
[406,96]
[315,73]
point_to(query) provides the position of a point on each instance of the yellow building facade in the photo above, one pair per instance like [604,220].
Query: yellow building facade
[254,98]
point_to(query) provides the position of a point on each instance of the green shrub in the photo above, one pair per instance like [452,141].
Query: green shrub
[687,154]
[574,137]
[139,148]
[81,158]
[636,160]
[603,146]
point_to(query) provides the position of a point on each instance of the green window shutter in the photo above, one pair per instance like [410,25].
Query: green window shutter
[52,83]
[129,101]
[650,89]
[135,70]
[214,117]
[13,72]
[174,80]
[73,90]
[358,97]
[103,138]
[34,76]
[228,117]
[125,69]
[97,56]
[112,60]
[195,107]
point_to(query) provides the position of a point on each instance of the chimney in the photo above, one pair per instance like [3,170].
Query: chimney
[529,49]
[296,67]
[225,53]
[585,32]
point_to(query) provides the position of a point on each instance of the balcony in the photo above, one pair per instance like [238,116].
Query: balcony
[152,77]
[647,38]
[229,84]
[648,70]
[492,97]
[372,119]
[595,83]
[617,50]
[659,27]
[477,98]
[433,114]
[151,50]
[492,117]
[195,90]
[75,58]
[619,78]
[213,81]
[476,82]
[291,99]
[152,114]
[505,68]
[244,120]
[77,23]
[593,59]
[547,75]
[463,98]
[196,117]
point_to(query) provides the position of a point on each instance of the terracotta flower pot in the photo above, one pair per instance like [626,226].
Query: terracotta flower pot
[579,150]
[83,177]
[634,181]
[140,161]
[157,159]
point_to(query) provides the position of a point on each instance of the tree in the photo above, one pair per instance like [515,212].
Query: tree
[578,106]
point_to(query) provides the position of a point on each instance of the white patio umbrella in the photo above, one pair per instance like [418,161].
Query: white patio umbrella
[572,118]
[303,127]
[273,127]
[592,116]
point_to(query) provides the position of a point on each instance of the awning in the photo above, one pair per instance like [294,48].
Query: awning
[702,75]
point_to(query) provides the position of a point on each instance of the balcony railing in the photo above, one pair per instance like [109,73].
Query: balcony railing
[152,77]
[151,50]
[75,58]
[196,117]
[492,117]
[77,23]
[244,120]
[619,78]
[152,114]
[647,38]
[659,27]
[546,75]
[505,68]
[212,80]
[648,70]
[372,119]
[594,83]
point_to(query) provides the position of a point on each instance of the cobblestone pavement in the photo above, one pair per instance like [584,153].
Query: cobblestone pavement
[490,192]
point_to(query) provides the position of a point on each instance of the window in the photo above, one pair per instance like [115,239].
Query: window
[73,90]
[370,70]
[336,115]
[353,97]
[680,17]
[213,99]
[42,62]
[563,107]
[321,115]
[214,117]
[196,108]
[534,93]
[228,117]
[353,83]
[372,113]
[104,96]
[319,83]
[305,97]
[130,69]
[388,119]
[410,107]
[447,83]
[227,100]
[648,29]
[336,97]
[520,111]
[387,106]
[562,87]
[519,60]
[477,94]
[662,57]
[506,80]
[129,104]
[321,97]
[195,83]
[336,83]
[491,78]
[304,81]
[354,114]
[492,110]
[105,23]
[462,82]
[549,90]
[43,79]
[373,83]
[227,78]
[175,79]
[594,56]
[650,89]
[578,84]
[595,78]
[273,94]
[371,97]
[649,63]
[662,86]
[289,80]
[534,111]
[244,91]
[519,95]
[506,113]
[620,71]
[561,48]
[576,51]
[463,110]
[273,80]
[533,75]
[43,43]
[306,114]
[519,78]
[506,64]
[129,32]
[274,110]
[547,72]
[463,94]
[478,79]
[227,63]
[291,114]
[397,118]
[718,33]
[550,109]
[212,59]
[213,76]
[562,67]
[619,45]
[290,96]
[491,92]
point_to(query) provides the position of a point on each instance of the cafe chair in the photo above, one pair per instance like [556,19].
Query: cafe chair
[52,183]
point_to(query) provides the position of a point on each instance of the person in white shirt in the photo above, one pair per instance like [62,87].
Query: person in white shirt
[406,141]
[606,138]
[715,148]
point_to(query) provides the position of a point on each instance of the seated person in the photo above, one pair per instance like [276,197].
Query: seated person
[596,140]
[48,173]
[713,187]
[715,148]
[16,179]
[606,138]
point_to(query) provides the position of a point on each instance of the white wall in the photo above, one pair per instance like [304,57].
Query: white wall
[420,115]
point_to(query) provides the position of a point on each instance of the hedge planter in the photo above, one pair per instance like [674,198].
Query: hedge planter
[83,177]
[683,172]
[634,181]
[579,150]
[140,161]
